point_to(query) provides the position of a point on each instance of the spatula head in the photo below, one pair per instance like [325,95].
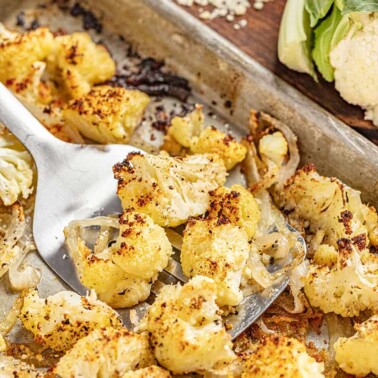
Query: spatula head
[74,182]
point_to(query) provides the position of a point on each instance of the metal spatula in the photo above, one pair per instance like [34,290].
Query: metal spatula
[76,182]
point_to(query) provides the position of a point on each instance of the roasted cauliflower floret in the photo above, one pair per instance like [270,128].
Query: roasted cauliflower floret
[112,284]
[274,148]
[12,368]
[107,114]
[186,330]
[16,170]
[216,245]
[31,89]
[77,63]
[168,189]
[142,248]
[190,133]
[357,355]
[18,53]
[347,287]
[328,205]
[183,129]
[122,273]
[148,372]
[106,352]
[218,251]
[60,320]
[237,205]
[212,140]
[281,356]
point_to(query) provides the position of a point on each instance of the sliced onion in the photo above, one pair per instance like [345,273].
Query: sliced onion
[265,244]
[288,170]
[337,327]
[260,322]
[12,235]
[297,281]
[257,269]
[26,277]
[11,318]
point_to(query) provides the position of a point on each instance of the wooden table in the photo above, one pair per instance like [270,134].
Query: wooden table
[259,40]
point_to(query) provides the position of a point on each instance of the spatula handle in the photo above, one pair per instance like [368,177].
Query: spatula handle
[23,124]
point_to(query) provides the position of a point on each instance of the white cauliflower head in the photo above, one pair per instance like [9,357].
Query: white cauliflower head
[346,287]
[121,272]
[16,170]
[281,356]
[186,330]
[106,352]
[356,68]
[60,320]
[168,189]
[357,355]
[107,114]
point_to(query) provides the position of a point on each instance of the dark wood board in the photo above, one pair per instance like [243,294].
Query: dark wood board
[259,40]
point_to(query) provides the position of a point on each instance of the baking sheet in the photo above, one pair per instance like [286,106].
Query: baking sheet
[223,78]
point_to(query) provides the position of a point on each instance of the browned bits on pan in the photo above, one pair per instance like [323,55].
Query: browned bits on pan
[152,79]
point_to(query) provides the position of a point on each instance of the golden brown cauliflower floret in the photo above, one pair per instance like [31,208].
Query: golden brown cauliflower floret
[111,283]
[106,352]
[183,129]
[212,140]
[168,189]
[18,53]
[60,320]
[218,251]
[122,273]
[186,330]
[329,206]
[148,372]
[237,205]
[281,357]
[346,287]
[142,248]
[77,63]
[216,245]
[357,355]
[274,148]
[107,114]
[189,132]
